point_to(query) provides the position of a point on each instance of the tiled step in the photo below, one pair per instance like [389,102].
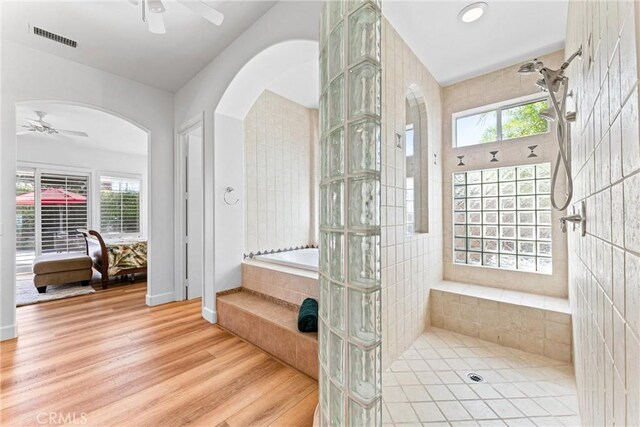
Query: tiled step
[292,285]
[271,326]
[533,323]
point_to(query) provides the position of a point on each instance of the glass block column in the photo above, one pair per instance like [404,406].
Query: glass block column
[350,267]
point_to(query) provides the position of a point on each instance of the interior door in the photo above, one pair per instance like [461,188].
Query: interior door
[194,214]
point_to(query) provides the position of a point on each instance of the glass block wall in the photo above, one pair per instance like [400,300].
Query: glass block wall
[350,267]
[502,218]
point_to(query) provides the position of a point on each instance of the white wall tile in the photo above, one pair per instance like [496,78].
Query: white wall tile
[280,146]
[604,267]
[412,263]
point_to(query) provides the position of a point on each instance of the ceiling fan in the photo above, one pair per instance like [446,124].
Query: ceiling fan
[40,126]
[152,11]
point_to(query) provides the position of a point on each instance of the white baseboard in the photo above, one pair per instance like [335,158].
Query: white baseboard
[210,316]
[160,299]
[8,332]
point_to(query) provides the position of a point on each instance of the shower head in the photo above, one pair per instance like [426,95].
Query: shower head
[527,68]
[555,77]
[549,114]
[555,85]
[542,85]
[530,67]
[550,82]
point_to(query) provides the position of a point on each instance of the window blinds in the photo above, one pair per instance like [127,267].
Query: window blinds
[25,221]
[63,209]
[119,205]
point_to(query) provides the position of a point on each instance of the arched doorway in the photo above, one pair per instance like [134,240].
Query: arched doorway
[79,167]
[264,69]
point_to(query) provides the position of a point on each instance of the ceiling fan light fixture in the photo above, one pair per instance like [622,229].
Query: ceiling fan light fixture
[40,126]
[155,23]
[155,6]
[152,11]
[472,12]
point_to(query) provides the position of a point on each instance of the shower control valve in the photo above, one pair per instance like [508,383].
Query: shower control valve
[578,219]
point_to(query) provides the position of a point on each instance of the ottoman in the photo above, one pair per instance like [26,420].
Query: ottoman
[60,269]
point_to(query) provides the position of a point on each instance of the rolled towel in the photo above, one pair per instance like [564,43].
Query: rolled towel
[308,316]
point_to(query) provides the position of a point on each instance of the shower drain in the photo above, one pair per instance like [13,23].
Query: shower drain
[475,377]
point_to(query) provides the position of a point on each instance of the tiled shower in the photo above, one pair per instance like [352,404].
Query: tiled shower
[570,354]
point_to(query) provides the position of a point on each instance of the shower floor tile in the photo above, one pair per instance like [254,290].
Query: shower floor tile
[428,385]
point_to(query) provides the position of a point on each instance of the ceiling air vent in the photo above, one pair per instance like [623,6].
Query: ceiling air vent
[55,37]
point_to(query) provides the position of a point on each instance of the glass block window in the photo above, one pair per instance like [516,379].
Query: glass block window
[511,119]
[502,218]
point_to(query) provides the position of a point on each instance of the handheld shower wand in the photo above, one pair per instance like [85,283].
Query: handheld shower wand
[551,82]
[563,144]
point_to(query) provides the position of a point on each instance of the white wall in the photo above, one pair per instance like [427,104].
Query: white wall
[229,220]
[223,152]
[28,74]
[44,151]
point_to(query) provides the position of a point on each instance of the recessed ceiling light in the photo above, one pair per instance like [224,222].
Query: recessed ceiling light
[472,12]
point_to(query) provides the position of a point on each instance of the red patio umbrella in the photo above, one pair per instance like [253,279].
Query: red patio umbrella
[51,196]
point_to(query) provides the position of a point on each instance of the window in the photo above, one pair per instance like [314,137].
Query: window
[500,122]
[119,205]
[409,187]
[25,220]
[63,209]
[49,209]
[502,218]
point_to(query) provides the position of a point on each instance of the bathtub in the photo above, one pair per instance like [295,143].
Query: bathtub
[288,276]
[306,259]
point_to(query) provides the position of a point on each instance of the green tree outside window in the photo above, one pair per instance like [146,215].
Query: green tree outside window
[519,121]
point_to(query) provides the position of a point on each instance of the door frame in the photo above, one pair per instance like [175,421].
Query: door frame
[179,180]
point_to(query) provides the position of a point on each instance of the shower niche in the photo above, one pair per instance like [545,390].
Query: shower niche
[416,155]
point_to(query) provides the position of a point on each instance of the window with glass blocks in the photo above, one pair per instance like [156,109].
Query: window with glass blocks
[502,218]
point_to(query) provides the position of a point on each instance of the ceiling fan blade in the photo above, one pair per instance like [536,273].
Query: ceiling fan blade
[72,132]
[155,22]
[39,122]
[203,9]
[24,132]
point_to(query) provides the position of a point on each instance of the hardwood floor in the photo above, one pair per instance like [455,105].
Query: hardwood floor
[108,359]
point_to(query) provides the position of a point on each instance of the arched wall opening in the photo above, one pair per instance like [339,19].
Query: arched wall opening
[33,75]
[417,149]
[111,149]
[278,66]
